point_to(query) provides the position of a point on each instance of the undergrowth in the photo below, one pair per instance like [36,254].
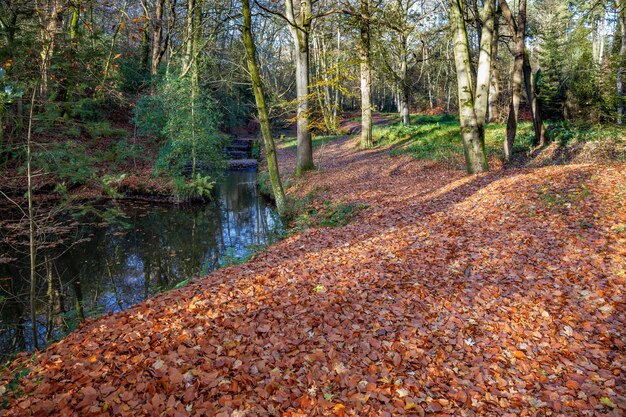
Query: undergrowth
[304,213]
[439,137]
[317,141]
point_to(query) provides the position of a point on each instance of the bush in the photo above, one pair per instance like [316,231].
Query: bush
[121,151]
[88,109]
[104,130]
[188,125]
[69,161]
[197,188]
[133,78]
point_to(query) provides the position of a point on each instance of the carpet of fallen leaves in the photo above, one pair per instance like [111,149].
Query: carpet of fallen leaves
[497,294]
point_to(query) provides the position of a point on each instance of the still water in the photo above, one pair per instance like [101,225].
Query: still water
[152,249]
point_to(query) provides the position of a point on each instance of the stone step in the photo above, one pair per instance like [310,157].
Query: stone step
[237,154]
[242,163]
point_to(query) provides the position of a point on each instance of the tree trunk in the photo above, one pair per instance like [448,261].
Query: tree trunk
[519,30]
[31,228]
[483,74]
[471,116]
[535,107]
[51,301]
[494,89]
[145,48]
[191,5]
[157,41]
[621,63]
[404,84]
[259,96]
[300,34]
[50,20]
[304,146]
[366,76]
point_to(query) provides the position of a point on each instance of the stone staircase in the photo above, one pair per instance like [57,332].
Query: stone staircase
[239,154]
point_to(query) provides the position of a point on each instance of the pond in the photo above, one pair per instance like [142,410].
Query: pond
[153,248]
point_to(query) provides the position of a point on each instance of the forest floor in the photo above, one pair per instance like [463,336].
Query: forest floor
[495,294]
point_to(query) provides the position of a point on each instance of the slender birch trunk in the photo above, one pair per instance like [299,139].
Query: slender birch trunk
[404,83]
[31,227]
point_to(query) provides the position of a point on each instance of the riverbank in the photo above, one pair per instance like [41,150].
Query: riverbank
[490,294]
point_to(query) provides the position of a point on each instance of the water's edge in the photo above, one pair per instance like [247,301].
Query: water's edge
[156,247]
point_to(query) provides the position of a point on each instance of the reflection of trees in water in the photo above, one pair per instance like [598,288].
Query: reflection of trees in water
[121,265]
[244,214]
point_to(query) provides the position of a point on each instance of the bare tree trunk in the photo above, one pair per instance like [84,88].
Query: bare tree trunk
[259,96]
[535,106]
[304,146]
[473,103]
[366,75]
[191,6]
[597,42]
[494,89]
[145,47]
[404,82]
[300,30]
[158,49]
[50,18]
[621,63]
[519,30]
[337,104]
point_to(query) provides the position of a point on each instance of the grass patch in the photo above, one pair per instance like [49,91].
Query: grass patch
[291,142]
[439,137]
[559,200]
[304,213]
[566,132]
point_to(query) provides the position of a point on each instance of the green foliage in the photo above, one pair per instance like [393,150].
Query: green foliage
[256,150]
[88,109]
[570,84]
[318,141]
[264,185]
[565,132]
[104,130]
[303,214]
[151,116]
[8,93]
[182,284]
[12,389]
[560,200]
[69,161]
[110,183]
[133,77]
[230,258]
[198,187]
[187,122]
[438,138]
[121,151]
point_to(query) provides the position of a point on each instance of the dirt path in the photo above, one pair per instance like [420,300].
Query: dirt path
[498,294]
